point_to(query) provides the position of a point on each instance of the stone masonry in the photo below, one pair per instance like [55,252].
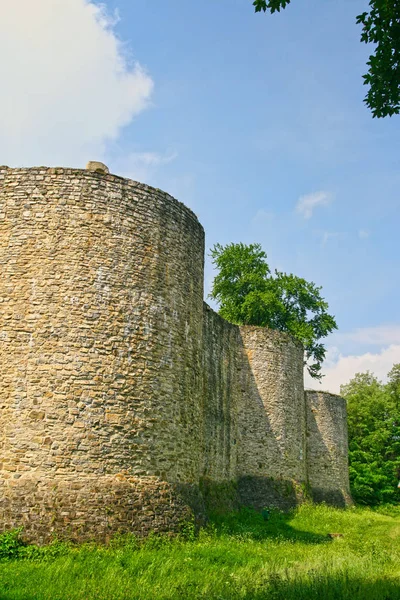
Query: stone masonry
[124,398]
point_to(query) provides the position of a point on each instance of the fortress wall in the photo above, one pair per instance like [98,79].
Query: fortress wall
[271,419]
[221,396]
[121,392]
[327,448]
[101,292]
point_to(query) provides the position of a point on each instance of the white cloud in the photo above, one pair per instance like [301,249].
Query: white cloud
[151,159]
[382,335]
[141,166]
[363,234]
[330,235]
[339,369]
[306,204]
[263,216]
[67,86]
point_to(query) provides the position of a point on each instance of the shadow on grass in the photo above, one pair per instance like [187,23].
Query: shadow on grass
[326,587]
[250,524]
[313,587]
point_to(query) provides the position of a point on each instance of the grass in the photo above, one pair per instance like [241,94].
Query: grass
[240,556]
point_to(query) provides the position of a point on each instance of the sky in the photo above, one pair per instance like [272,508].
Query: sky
[254,121]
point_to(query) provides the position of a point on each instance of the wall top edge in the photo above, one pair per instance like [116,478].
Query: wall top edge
[109,177]
[325,393]
[283,336]
[207,308]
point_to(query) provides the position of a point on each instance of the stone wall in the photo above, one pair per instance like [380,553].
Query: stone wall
[85,507]
[125,401]
[221,396]
[327,448]
[101,296]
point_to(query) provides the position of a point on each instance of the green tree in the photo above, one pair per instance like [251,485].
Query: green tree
[393,385]
[374,437]
[248,294]
[381,27]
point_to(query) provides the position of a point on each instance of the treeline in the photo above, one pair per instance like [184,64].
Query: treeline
[374,437]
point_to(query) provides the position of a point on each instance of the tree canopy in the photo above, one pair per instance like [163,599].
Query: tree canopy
[248,294]
[374,437]
[380,26]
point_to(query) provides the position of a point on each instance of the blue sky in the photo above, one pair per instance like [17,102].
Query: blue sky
[255,121]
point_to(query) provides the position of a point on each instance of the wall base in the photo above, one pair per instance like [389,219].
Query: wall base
[89,508]
[263,492]
[253,492]
[83,508]
[334,497]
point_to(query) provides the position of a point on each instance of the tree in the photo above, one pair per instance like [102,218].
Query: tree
[248,294]
[393,385]
[380,26]
[374,437]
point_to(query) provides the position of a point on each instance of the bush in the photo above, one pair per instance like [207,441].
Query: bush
[11,544]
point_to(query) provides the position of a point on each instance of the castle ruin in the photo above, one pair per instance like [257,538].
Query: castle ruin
[127,404]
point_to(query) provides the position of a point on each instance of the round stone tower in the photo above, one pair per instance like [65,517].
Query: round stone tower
[101,294]
[327,448]
[272,421]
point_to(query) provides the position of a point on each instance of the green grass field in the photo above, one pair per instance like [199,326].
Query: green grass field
[240,556]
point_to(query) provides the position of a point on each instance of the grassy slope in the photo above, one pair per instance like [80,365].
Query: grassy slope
[238,557]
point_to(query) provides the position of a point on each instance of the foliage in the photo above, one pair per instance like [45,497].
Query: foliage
[393,385]
[381,27]
[249,294]
[239,557]
[271,5]
[12,547]
[10,544]
[374,437]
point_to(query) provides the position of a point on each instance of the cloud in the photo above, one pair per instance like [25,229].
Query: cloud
[263,216]
[363,234]
[330,235]
[67,84]
[339,369]
[141,166]
[382,335]
[152,159]
[306,204]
